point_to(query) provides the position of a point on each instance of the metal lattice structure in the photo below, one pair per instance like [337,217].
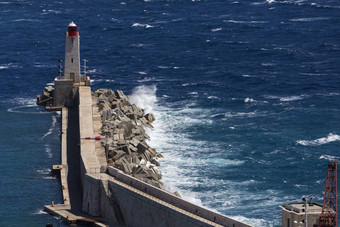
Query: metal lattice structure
[329,215]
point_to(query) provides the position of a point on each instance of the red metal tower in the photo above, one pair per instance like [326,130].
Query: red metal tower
[329,215]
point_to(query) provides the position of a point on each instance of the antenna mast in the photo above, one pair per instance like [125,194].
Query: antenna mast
[329,215]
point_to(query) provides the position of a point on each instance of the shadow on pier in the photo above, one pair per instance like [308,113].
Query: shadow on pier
[73,160]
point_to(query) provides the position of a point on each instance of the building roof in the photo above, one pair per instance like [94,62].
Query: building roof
[300,207]
[72,24]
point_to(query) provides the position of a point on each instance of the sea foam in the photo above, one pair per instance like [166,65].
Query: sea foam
[24,106]
[171,144]
[48,150]
[144,97]
[39,212]
[317,142]
[254,221]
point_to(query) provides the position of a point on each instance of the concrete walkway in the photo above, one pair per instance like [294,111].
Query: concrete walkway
[70,211]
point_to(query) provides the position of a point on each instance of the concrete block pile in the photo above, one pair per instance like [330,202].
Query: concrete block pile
[125,144]
[46,96]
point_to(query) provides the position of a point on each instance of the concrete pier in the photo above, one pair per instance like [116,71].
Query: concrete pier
[99,195]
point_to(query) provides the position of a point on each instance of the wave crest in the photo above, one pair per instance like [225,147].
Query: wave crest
[249,100]
[309,19]
[142,25]
[329,157]
[292,98]
[317,142]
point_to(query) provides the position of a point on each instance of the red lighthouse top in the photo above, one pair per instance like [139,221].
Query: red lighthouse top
[72,29]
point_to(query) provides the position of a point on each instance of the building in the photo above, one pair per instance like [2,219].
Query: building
[294,214]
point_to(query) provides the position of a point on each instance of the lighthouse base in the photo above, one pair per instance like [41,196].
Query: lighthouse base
[65,90]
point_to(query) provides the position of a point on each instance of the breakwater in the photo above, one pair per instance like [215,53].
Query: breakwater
[108,196]
[125,145]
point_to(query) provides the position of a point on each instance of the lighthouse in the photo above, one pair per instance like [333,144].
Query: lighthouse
[66,86]
[72,54]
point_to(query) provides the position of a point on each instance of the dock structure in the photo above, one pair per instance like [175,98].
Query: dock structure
[100,195]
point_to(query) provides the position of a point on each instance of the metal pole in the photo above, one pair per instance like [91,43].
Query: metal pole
[85,67]
[305,200]
[60,67]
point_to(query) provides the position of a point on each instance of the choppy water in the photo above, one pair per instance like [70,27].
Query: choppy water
[246,96]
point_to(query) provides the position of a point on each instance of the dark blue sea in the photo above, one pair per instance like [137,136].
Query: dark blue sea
[246,96]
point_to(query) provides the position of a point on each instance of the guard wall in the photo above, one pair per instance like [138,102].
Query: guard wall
[138,209]
[172,199]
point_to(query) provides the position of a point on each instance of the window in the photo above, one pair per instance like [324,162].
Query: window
[288,222]
[71,60]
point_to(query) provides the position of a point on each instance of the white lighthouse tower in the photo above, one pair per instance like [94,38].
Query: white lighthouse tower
[72,54]
[66,86]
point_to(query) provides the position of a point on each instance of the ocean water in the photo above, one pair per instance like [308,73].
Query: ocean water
[246,96]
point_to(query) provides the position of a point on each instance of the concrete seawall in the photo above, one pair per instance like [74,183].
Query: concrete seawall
[112,197]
